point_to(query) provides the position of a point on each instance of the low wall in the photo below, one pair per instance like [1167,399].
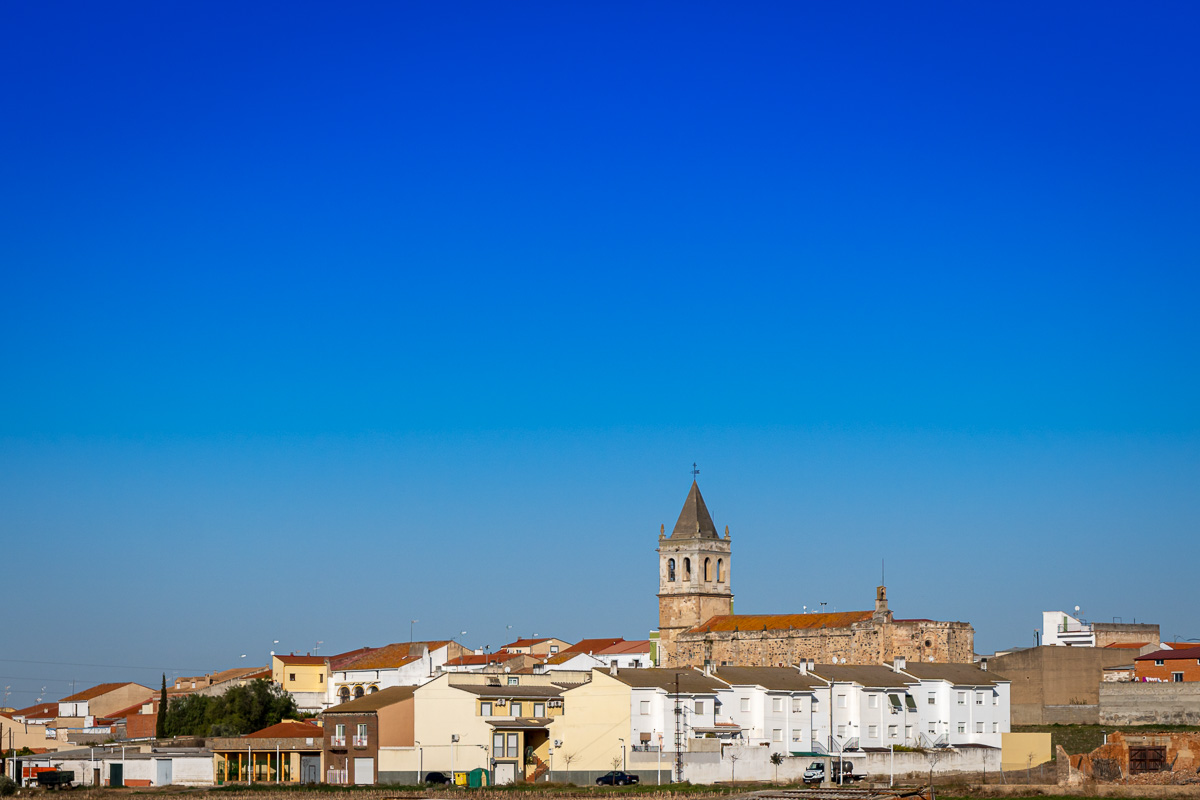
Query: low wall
[754,764]
[1150,704]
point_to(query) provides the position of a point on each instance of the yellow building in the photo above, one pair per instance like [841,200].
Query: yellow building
[498,722]
[305,678]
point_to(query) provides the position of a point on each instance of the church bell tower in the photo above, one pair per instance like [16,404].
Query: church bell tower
[693,573]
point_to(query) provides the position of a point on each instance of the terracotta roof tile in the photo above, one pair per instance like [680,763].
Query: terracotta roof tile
[392,655]
[288,729]
[780,622]
[1171,655]
[295,659]
[640,646]
[99,690]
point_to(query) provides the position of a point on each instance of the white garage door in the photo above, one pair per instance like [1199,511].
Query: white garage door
[364,770]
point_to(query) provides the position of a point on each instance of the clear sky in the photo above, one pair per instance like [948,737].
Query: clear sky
[321,318]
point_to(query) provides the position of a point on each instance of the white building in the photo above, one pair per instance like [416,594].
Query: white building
[1060,628]
[959,704]
[771,706]
[402,664]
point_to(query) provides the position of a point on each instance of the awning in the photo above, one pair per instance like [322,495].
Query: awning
[895,700]
[908,701]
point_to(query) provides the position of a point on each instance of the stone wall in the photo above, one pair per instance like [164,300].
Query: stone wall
[1051,676]
[868,642]
[1149,704]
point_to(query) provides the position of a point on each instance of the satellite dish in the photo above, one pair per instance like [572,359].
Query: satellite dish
[1076,609]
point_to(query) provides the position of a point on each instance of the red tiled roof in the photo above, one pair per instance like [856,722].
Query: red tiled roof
[38,711]
[640,646]
[288,729]
[781,622]
[526,642]
[99,690]
[482,659]
[295,659]
[582,648]
[134,709]
[1178,645]
[392,655]
[336,662]
[1171,655]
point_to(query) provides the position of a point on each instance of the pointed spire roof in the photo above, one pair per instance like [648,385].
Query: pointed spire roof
[694,520]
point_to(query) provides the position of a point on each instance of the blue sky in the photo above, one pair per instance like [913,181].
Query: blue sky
[315,321]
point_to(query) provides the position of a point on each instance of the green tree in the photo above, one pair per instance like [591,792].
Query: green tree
[243,709]
[160,724]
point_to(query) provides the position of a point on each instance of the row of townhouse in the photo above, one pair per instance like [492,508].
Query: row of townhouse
[564,725]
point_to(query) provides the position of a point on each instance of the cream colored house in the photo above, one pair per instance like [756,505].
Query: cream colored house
[499,722]
[626,718]
[305,678]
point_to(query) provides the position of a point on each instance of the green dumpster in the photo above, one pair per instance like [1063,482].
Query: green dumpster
[477,778]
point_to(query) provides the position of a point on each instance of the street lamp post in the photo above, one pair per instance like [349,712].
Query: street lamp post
[622,741]
[420,760]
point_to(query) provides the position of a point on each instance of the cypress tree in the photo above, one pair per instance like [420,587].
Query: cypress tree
[160,725]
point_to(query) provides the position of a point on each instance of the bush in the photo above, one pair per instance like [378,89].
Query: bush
[8,786]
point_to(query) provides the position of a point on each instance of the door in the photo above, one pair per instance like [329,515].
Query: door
[1147,759]
[310,769]
[116,774]
[364,770]
[506,773]
[162,772]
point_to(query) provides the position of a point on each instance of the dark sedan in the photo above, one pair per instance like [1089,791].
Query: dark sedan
[616,778]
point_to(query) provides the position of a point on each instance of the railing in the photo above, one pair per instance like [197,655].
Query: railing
[336,776]
[337,741]
[645,748]
[360,741]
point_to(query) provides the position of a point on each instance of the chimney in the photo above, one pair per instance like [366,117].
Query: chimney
[899,663]
[803,666]
[812,665]
[612,669]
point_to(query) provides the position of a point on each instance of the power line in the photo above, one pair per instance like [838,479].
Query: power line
[105,666]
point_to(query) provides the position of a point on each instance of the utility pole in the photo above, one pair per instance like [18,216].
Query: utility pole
[678,733]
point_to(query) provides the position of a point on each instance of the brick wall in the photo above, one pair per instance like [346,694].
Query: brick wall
[1188,667]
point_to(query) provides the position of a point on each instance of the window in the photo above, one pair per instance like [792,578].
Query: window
[291,676]
[979,698]
[872,701]
[320,677]
[933,727]
[962,727]
[339,731]
[777,735]
[362,729]
[344,694]
[497,745]
[485,709]
[745,704]
[816,705]
[671,570]
[891,731]
[513,680]
[513,749]
[539,709]
[841,701]
[699,706]
[373,690]
[516,709]
[1177,677]
[962,698]
[358,691]
[995,698]
[995,727]
[687,569]
[841,731]
[554,647]
[777,704]
[797,705]
[907,732]
[1158,662]
[707,569]
[979,727]
[873,731]
[932,699]
[721,574]
[645,707]
[796,734]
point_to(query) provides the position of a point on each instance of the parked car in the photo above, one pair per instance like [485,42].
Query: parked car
[436,777]
[616,778]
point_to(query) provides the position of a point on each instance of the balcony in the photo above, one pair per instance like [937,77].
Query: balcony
[360,741]
[337,741]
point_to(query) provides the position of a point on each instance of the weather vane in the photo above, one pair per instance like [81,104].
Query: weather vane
[695,471]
